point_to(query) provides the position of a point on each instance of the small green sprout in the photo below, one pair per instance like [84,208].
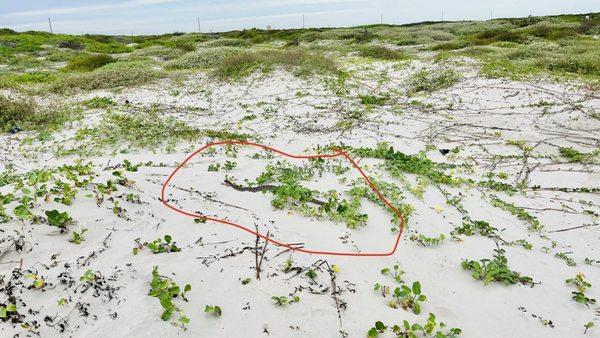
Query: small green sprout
[283,300]
[214,309]
[77,237]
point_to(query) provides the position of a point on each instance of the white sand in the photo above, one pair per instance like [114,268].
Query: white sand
[477,114]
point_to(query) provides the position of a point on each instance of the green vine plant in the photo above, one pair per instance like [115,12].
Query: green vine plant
[283,300]
[495,270]
[590,261]
[396,273]
[471,227]
[408,298]
[403,296]
[521,213]
[581,284]
[564,256]
[59,219]
[214,309]
[166,290]
[588,326]
[38,281]
[7,310]
[430,329]
[525,244]
[427,241]
[159,245]
[77,237]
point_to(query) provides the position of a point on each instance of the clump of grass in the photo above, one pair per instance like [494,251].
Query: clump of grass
[226,42]
[112,75]
[71,44]
[301,61]
[162,52]
[18,114]
[490,36]
[108,48]
[89,62]
[381,52]
[238,65]
[430,81]
[202,59]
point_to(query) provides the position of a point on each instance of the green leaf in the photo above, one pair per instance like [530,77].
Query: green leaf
[38,283]
[417,308]
[416,288]
[166,315]
[372,333]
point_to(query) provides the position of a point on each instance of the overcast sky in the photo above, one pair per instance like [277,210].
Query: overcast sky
[165,16]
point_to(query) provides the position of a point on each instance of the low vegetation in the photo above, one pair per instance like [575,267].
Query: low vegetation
[87,63]
[25,114]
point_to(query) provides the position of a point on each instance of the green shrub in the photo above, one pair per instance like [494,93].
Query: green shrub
[381,52]
[202,59]
[116,74]
[491,36]
[108,48]
[61,55]
[89,62]
[185,45]
[70,44]
[450,45]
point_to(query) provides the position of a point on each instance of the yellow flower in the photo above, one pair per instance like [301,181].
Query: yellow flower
[438,208]
[335,268]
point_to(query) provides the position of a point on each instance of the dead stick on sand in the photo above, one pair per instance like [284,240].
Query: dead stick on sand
[574,228]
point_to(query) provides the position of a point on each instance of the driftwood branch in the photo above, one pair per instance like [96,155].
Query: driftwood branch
[264,188]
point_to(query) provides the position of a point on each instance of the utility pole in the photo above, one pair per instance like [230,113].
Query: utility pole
[491,14]
[381,19]
[50,24]
[302,21]
[442,16]
[199,27]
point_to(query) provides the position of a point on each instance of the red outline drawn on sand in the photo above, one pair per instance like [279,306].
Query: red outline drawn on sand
[338,153]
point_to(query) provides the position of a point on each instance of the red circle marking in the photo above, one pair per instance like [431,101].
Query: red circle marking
[339,153]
